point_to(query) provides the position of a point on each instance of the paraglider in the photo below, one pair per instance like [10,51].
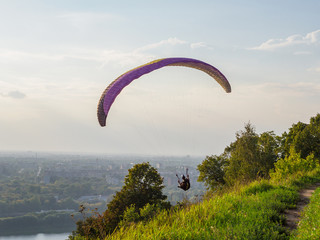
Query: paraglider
[112,91]
[185,183]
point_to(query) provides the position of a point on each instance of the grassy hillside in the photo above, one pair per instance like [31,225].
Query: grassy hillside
[254,211]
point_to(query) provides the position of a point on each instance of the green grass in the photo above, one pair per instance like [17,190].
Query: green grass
[249,212]
[309,226]
[253,212]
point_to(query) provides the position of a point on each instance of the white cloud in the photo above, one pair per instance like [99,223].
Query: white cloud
[290,90]
[297,39]
[123,58]
[101,57]
[200,45]
[170,41]
[316,69]
[149,51]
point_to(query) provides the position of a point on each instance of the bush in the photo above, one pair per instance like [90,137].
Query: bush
[293,164]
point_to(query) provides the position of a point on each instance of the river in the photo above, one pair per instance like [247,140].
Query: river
[39,236]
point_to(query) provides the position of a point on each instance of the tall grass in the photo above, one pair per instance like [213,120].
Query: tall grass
[253,212]
[309,226]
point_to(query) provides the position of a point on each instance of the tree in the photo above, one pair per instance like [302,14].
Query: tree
[291,138]
[243,164]
[143,185]
[250,156]
[212,171]
[304,138]
[268,147]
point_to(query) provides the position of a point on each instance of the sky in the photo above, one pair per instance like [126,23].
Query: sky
[57,57]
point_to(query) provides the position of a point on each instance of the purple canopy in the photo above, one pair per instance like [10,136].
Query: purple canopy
[113,90]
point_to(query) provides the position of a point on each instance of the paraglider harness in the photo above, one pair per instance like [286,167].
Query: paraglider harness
[185,184]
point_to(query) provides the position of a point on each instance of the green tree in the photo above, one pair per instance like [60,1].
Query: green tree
[304,138]
[250,156]
[292,164]
[212,171]
[142,185]
[243,164]
[268,152]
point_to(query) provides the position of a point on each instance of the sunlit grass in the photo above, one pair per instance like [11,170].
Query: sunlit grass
[254,212]
[309,226]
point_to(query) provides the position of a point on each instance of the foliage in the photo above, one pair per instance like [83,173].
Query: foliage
[235,211]
[248,158]
[251,156]
[293,164]
[19,196]
[242,161]
[212,171]
[131,216]
[268,152]
[304,138]
[241,214]
[254,211]
[143,185]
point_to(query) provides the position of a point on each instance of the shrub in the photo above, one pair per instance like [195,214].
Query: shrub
[293,164]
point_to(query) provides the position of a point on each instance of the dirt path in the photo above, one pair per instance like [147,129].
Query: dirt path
[293,215]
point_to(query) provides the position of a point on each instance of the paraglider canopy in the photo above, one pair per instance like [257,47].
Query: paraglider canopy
[112,91]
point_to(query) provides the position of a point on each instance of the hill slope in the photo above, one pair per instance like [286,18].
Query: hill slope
[248,212]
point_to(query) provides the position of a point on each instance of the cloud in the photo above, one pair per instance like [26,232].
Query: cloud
[14,94]
[173,41]
[102,57]
[200,45]
[295,90]
[316,69]
[168,42]
[312,38]
[150,51]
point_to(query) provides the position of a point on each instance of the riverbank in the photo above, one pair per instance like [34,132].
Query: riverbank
[54,222]
[39,236]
